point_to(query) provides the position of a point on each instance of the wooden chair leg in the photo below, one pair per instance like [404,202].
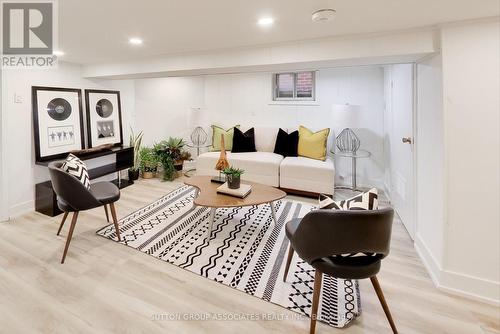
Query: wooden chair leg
[70,235]
[115,221]
[106,210]
[381,298]
[62,223]
[288,261]
[315,301]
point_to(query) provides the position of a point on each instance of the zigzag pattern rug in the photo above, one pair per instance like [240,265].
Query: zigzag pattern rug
[246,251]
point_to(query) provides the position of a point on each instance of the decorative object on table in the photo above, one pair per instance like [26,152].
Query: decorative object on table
[199,138]
[347,141]
[248,261]
[313,144]
[243,141]
[148,162]
[135,142]
[171,155]
[354,157]
[233,177]
[241,192]
[287,143]
[87,151]
[104,117]
[364,201]
[228,137]
[222,163]
[57,122]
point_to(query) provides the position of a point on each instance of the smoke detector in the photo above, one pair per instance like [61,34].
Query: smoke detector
[323,15]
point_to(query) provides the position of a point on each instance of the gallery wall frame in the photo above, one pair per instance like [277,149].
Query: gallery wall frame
[104,117]
[57,121]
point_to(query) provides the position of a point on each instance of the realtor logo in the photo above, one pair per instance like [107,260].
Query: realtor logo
[28,34]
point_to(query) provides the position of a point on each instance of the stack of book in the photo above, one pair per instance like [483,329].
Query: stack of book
[241,192]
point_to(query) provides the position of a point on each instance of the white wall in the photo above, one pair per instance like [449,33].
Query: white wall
[472,126]
[246,99]
[22,173]
[164,108]
[429,238]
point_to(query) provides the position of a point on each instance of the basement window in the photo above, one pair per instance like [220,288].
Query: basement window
[294,86]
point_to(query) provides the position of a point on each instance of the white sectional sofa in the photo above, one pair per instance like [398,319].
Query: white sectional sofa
[291,173]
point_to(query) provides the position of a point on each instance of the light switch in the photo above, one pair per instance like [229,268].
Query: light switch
[18,98]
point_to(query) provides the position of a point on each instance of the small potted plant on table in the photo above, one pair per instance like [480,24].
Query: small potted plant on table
[149,162]
[233,177]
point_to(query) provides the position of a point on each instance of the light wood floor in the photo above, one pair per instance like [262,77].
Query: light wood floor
[105,287]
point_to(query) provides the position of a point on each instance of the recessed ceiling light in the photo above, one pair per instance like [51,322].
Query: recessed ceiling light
[58,53]
[135,41]
[323,15]
[265,21]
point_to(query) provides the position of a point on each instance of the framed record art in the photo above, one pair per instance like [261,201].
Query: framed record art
[57,121]
[104,117]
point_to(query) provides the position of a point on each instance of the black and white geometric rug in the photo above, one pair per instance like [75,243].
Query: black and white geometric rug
[246,252]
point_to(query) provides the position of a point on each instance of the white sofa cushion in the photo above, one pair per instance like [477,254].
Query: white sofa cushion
[262,167]
[265,137]
[307,174]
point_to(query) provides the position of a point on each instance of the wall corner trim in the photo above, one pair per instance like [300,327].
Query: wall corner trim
[475,288]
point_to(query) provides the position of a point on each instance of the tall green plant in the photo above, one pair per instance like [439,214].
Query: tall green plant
[136,142]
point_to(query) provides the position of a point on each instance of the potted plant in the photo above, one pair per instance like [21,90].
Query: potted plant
[165,159]
[135,142]
[149,162]
[233,177]
[171,155]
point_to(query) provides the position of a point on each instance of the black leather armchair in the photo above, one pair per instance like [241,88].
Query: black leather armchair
[72,196]
[346,244]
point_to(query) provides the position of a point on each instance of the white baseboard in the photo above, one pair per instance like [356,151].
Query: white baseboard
[21,208]
[430,262]
[457,283]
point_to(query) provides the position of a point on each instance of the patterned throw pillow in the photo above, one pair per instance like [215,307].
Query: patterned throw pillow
[77,168]
[364,201]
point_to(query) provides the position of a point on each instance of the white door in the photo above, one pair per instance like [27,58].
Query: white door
[402,183]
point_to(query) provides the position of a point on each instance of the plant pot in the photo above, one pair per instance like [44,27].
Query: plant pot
[148,175]
[133,174]
[178,165]
[233,182]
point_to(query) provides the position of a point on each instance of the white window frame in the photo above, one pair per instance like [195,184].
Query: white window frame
[294,98]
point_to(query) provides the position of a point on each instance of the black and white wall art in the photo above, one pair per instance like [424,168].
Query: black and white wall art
[57,121]
[104,121]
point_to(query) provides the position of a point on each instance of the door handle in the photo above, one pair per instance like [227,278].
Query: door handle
[406,140]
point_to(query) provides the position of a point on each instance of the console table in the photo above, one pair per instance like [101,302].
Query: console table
[45,197]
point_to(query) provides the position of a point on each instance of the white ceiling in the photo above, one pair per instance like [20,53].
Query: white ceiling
[94,31]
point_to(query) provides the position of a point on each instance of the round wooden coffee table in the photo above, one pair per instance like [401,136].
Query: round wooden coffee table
[206,195]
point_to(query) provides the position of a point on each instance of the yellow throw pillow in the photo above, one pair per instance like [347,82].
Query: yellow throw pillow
[313,144]
[228,137]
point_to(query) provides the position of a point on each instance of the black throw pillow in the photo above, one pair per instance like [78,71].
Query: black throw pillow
[287,143]
[243,142]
